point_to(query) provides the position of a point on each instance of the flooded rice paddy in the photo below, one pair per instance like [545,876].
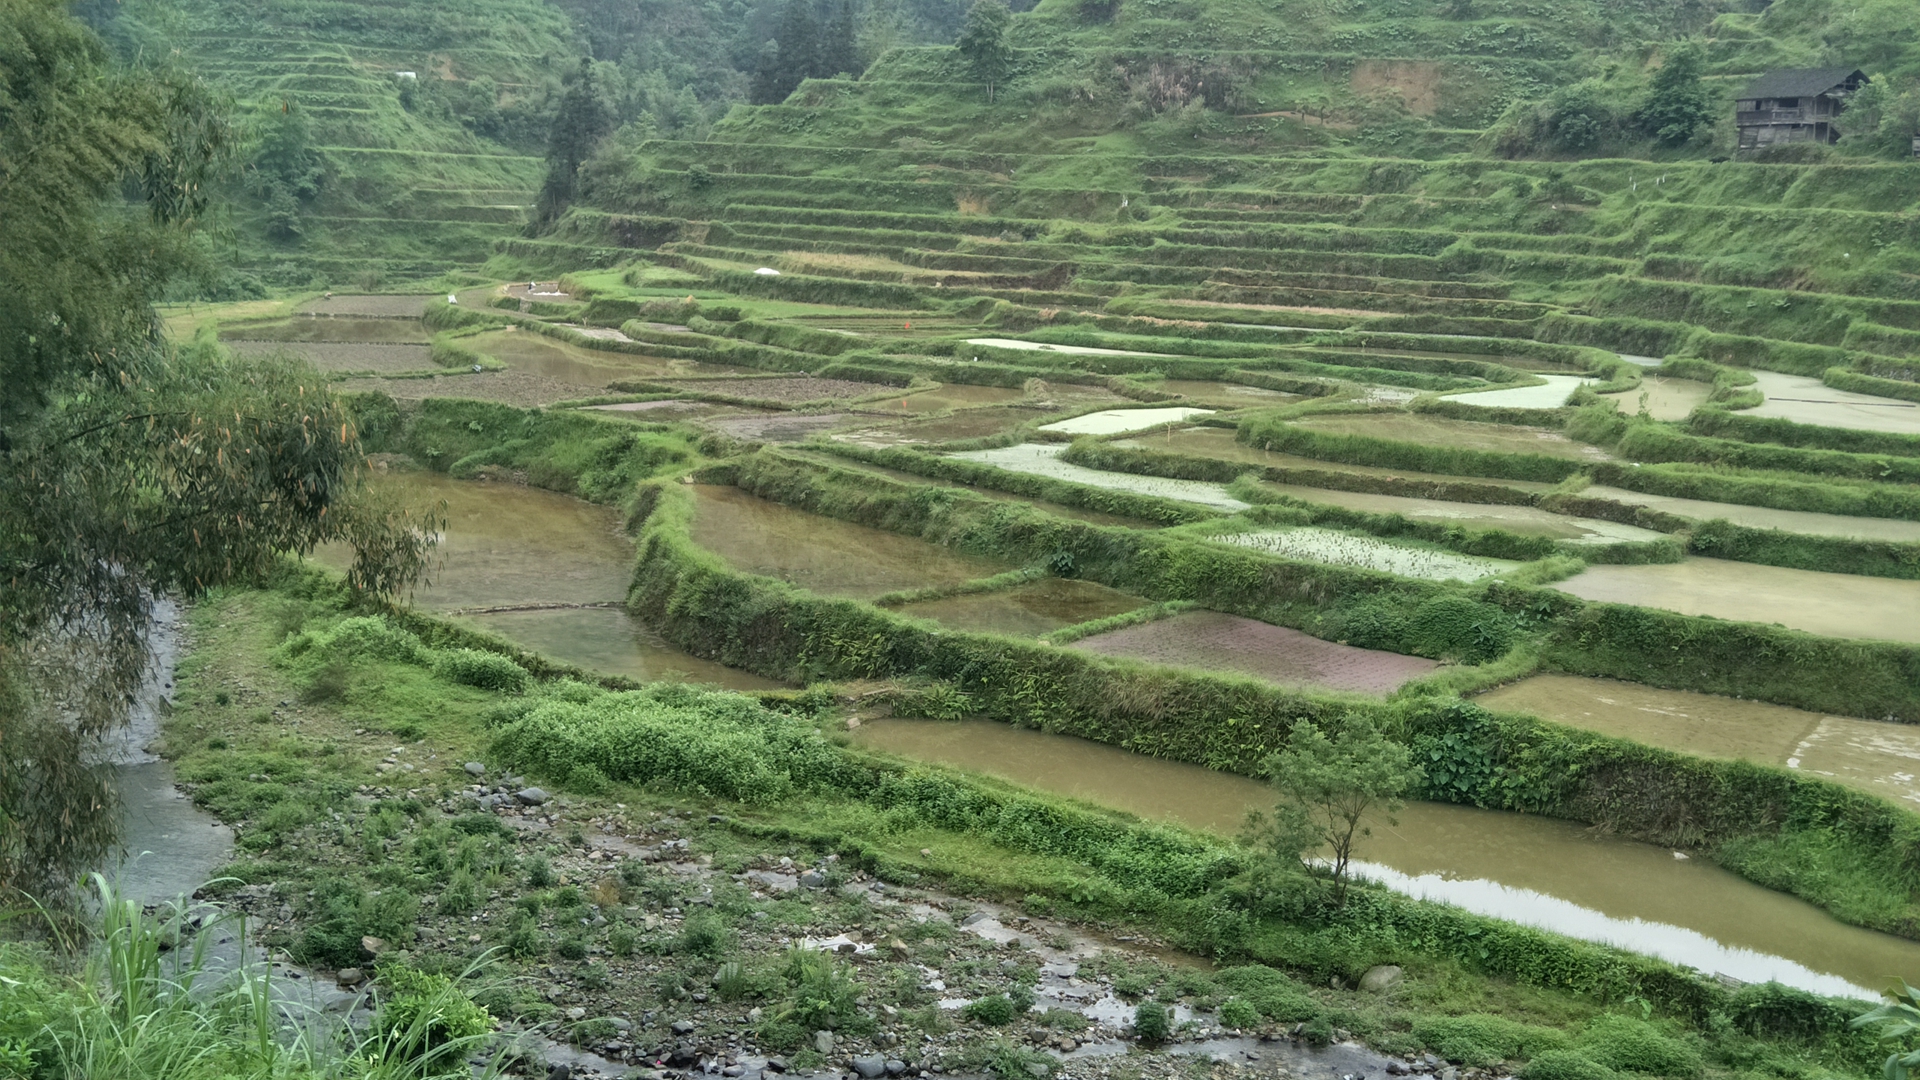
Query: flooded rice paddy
[1460,434]
[1552,393]
[1836,605]
[1809,401]
[1029,610]
[1761,517]
[824,555]
[1556,875]
[1881,758]
[1041,346]
[946,397]
[1521,520]
[1093,517]
[1043,459]
[1228,395]
[1369,552]
[1663,397]
[526,564]
[1222,444]
[1229,644]
[1120,421]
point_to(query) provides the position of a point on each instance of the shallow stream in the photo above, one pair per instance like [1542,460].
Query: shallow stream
[1543,872]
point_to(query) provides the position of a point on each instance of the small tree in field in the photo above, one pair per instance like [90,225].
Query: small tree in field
[1327,786]
[984,43]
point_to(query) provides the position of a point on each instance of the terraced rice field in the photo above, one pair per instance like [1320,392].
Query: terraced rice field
[1458,434]
[1834,605]
[1872,756]
[1043,459]
[824,555]
[1348,549]
[1027,610]
[1212,641]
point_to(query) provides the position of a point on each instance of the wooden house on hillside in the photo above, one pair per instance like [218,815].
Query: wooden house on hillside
[1795,105]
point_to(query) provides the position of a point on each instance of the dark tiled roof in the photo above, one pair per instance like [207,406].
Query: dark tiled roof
[1797,82]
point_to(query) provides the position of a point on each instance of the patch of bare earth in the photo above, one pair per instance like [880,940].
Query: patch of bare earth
[786,391]
[368,307]
[506,387]
[775,427]
[1214,641]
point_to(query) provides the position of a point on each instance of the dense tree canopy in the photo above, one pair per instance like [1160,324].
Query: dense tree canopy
[128,468]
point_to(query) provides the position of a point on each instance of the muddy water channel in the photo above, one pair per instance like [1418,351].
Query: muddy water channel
[1881,758]
[1553,874]
[547,572]
[1837,605]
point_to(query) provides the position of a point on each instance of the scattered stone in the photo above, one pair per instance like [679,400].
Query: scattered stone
[559,1070]
[576,1013]
[813,879]
[474,768]
[532,796]
[895,1066]
[870,1066]
[823,1041]
[1381,978]
[350,977]
[372,946]
[684,1027]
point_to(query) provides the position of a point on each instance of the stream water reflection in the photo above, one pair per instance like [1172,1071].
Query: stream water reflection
[1539,871]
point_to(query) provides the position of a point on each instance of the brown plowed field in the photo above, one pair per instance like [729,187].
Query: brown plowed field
[1213,641]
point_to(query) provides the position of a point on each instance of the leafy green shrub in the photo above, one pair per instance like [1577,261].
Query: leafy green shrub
[704,934]
[587,779]
[461,896]
[1237,1012]
[427,1021]
[994,1010]
[571,947]
[539,873]
[486,670]
[350,639]
[1271,993]
[1152,1023]
[1629,1045]
[820,995]
[1484,1040]
[708,743]
[1565,1065]
[622,940]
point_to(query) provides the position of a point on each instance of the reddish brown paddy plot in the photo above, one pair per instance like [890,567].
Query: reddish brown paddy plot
[1213,641]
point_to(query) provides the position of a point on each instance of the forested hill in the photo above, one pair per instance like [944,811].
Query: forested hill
[390,141]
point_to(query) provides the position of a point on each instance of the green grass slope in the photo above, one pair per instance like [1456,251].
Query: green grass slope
[1214,160]
[417,175]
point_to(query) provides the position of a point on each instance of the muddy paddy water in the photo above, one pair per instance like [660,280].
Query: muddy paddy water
[547,572]
[1234,645]
[1538,871]
[1030,610]
[1881,758]
[536,354]
[1836,605]
[1664,398]
[1761,517]
[1521,520]
[1809,401]
[1043,459]
[825,555]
